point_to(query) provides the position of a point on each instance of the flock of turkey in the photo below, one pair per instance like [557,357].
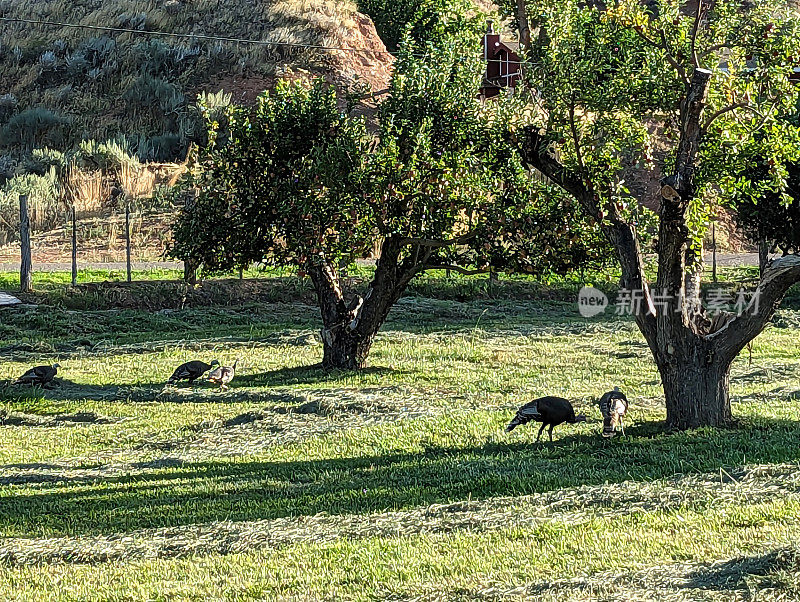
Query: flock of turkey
[191,371]
[550,411]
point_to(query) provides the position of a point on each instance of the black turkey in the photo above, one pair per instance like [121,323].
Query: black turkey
[39,375]
[191,371]
[550,411]
[613,407]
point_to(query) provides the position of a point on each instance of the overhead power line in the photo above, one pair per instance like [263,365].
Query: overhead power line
[189,36]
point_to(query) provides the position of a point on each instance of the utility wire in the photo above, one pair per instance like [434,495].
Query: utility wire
[233,40]
[190,36]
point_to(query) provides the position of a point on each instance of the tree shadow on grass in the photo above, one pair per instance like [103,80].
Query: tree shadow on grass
[202,391]
[310,375]
[769,570]
[64,390]
[170,494]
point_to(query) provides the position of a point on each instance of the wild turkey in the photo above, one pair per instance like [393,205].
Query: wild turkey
[39,375]
[223,375]
[550,411]
[613,407]
[191,371]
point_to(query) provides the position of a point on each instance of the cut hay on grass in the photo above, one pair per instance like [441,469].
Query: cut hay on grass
[740,486]
[773,576]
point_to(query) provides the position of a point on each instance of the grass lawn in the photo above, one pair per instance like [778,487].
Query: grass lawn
[397,482]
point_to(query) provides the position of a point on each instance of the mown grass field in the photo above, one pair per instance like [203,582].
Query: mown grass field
[398,482]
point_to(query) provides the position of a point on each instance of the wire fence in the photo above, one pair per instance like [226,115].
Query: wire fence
[124,238]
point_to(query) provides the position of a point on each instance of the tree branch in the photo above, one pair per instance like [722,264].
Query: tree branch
[722,111]
[676,193]
[667,54]
[621,234]
[532,149]
[779,276]
[434,243]
[671,60]
[329,292]
[695,30]
[455,268]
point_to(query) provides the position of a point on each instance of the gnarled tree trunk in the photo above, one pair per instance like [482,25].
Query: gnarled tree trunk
[344,349]
[349,328]
[696,392]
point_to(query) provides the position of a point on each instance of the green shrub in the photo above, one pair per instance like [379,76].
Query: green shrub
[42,160]
[34,128]
[153,94]
[154,58]
[107,156]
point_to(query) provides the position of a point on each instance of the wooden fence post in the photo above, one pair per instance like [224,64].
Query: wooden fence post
[25,266]
[74,249]
[128,238]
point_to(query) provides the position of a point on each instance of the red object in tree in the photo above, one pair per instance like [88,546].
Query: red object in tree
[503,65]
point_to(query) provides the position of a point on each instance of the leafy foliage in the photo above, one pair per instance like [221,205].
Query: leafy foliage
[611,85]
[280,189]
[420,21]
[772,217]
[296,181]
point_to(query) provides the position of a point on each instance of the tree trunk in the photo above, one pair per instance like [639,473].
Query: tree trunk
[344,349]
[349,328]
[523,25]
[763,256]
[696,390]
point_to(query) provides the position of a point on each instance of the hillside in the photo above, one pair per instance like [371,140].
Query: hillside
[61,84]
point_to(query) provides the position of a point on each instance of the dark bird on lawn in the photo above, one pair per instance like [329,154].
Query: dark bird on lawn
[613,407]
[191,371]
[223,375]
[550,411]
[39,375]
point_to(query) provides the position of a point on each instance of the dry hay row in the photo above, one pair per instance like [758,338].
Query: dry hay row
[740,579]
[746,485]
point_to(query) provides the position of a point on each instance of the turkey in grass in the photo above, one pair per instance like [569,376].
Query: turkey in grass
[550,411]
[223,375]
[613,407]
[191,371]
[38,375]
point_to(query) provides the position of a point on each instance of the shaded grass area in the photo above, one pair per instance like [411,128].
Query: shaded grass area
[428,461]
